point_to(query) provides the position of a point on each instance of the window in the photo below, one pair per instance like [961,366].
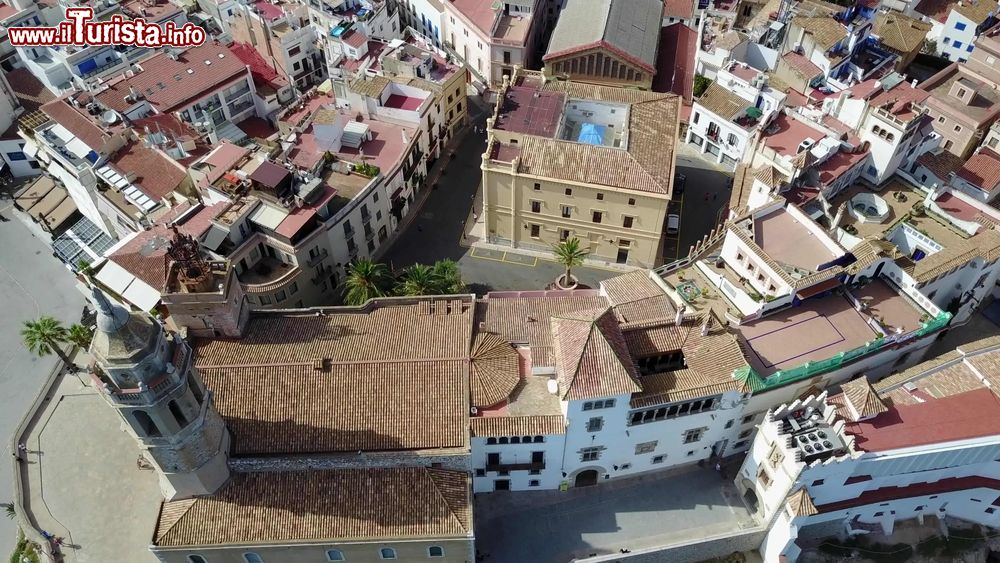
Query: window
[292,289]
[693,435]
[17,156]
[534,483]
[631,201]
[590,454]
[294,51]
[536,207]
[958,128]
[563,234]
[569,191]
[970,47]
[730,423]
[605,404]
[538,187]
[196,559]
[763,478]
[567,211]
[695,118]
[501,485]
[280,296]
[731,139]
[387,553]
[597,216]
[657,459]
[334,555]
[491,441]
[627,222]
[600,196]
[595,424]
[960,26]
[746,433]
[957,44]
[480,473]
[536,230]
[146,423]
[435,551]
[947,40]
[645,447]
[175,410]
[252,558]
[740,444]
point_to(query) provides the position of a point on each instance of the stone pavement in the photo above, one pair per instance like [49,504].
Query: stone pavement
[634,513]
[32,283]
[81,479]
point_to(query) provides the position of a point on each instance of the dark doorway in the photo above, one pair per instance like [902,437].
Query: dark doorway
[586,478]
[622,255]
[501,485]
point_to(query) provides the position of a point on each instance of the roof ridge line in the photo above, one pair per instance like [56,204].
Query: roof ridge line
[429,471]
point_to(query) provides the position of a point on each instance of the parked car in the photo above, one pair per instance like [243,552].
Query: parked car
[680,182]
[673,224]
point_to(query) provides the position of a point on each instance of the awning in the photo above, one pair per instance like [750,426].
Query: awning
[30,149]
[818,288]
[214,237]
[132,289]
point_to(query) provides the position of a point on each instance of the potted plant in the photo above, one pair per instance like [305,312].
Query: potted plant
[569,254]
[918,209]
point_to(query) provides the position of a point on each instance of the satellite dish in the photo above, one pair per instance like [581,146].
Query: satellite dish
[153,245]
[109,117]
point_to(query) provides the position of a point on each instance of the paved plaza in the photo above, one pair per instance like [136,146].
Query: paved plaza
[32,283]
[634,513]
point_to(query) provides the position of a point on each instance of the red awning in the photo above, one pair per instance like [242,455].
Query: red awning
[818,288]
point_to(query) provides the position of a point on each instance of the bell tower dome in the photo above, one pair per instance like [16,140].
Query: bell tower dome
[147,375]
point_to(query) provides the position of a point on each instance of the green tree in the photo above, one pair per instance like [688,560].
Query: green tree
[366,280]
[80,335]
[449,277]
[570,255]
[45,336]
[701,83]
[419,279]
[9,509]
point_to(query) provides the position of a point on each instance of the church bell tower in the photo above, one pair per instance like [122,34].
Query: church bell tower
[148,376]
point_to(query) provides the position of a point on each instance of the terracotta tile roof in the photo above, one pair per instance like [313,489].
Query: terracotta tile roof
[30,94]
[720,101]
[647,165]
[354,38]
[497,426]
[683,9]
[494,370]
[800,503]
[637,298]
[348,407]
[592,359]
[982,170]
[387,330]
[900,33]
[371,86]
[862,399]
[769,175]
[263,73]
[156,173]
[801,65]
[985,244]
[168,85]
[526,320]
[711,360]
[977,11]
[75,122]
[826,31]
[869,251]
[941,164]
[322,505]
[742,186]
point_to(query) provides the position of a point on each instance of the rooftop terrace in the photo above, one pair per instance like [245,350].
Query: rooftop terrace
[531,111]
[785,239]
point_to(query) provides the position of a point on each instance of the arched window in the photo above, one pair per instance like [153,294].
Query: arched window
[148,427]
[196,559]
[526,440]
[334,555]
[515,439]
[252,558]
[387,553]
[435,551]
[175,410]
[890,137]
[491,440]
[539,439]
[503,439]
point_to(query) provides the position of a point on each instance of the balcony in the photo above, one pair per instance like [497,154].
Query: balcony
[530,466]
[268,275]
[322,255]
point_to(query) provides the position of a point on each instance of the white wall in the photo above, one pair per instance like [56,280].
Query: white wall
[951,36]
[520,480]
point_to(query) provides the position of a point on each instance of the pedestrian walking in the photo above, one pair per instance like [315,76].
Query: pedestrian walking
[718,467]
[22,448]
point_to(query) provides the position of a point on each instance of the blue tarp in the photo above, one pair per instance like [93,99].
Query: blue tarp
[591,134]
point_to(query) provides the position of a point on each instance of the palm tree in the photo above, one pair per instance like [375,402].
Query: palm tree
[449,277]
[419,279]
[80,336]
[569,254]
[366,280]
[9,509]
[45,336]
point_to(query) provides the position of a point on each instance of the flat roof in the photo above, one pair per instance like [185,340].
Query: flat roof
[816,330]
[973,414]
[788,135]
[896,310]
[785,239]
[531,111]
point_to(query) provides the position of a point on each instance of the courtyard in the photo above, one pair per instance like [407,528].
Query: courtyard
[634,513]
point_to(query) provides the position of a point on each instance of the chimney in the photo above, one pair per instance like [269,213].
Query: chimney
[135,94]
